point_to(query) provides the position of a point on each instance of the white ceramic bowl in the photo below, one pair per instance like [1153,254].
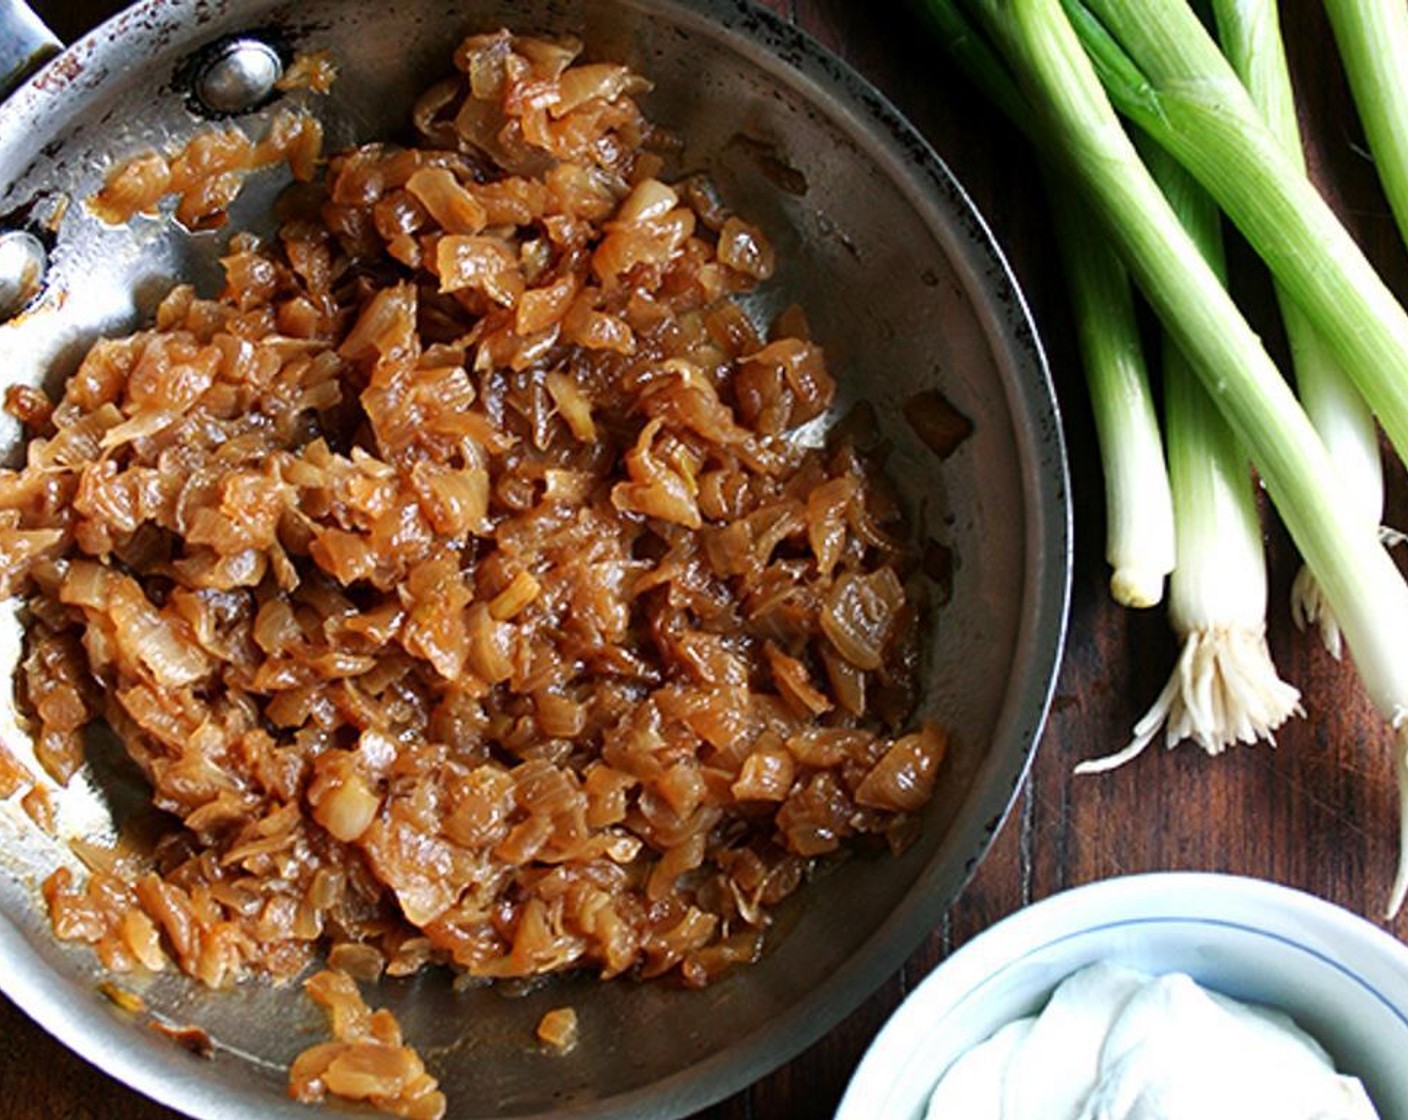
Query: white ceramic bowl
[1340,977]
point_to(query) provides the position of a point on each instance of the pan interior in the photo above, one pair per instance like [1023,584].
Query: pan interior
[906,294]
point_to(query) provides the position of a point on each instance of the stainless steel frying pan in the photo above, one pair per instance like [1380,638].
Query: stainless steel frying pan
[907,292]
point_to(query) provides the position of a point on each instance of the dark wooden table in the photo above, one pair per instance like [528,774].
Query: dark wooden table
[1318,811]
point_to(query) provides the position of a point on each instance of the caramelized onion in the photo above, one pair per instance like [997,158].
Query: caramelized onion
[903,779]
[207,173]
[454,577]
[367,1061]
[859,614]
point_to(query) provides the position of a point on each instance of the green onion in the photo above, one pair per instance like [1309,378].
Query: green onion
[1224,688]
[1139,519]
[1250,33]
[1139,533]
[1372,36]
[1165,73]
[1358,578]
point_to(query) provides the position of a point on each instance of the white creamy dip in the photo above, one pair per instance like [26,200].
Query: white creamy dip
[1116,1044]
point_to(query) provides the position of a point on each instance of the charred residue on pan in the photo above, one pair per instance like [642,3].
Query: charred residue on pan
[764,156]
[936,421]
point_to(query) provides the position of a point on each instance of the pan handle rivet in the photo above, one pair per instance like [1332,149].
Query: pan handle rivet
[238,77]
[23,262]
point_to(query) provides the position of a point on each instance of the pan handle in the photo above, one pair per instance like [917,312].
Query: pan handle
[25,43]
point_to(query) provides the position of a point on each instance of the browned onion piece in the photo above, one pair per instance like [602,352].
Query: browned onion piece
[449,203]
[558,1028]
[485,264]
[366,1061]
[744,248]
[903,779]
[859,613]
[134,188]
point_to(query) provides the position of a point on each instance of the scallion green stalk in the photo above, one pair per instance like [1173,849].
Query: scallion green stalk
[1359,579]
[1163,71]
[1225,688]
[1250,34]
[1372,36]
[1139,532]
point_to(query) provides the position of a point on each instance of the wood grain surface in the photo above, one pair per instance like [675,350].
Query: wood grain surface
[1318,811]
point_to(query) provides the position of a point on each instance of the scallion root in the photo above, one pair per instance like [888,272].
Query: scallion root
[1224,690]
[1308,605]
[1308,608]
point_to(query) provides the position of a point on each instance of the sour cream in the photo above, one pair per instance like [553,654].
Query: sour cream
[1116,1044]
